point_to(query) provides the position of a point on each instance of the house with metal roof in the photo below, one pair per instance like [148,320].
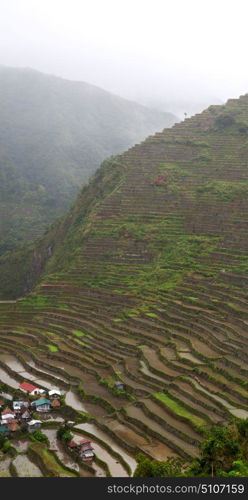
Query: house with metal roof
[29,388]
[41,405]
[18,405]
[7,414]
[33,425]
[86,452]
[54,393]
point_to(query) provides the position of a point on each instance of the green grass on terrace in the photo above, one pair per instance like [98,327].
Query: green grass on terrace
[52,348]
[179,410]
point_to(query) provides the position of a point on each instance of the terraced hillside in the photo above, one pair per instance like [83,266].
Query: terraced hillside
[146,283]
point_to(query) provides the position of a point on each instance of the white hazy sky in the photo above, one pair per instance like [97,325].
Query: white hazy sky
[146,50]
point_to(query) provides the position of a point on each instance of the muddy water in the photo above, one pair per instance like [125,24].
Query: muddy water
[126,433]
[93,429]
[190,357]
[6,379]
[20,445]
[4,467]
[237,412]
[12,362]
[16,366]
[26,468]
[71,399]
[129,381]
[144,369]
[148,444]
[140,416]
[177,424]
[154,361]
[238,362]
[66,459]
[6,396]
[69,369]
[181,345]
[45,384]
[115,468]
[168,352]
[28,376]
[159,450]
[49,372]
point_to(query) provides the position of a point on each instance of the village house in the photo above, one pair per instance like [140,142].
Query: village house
[18,405]
[54,393]
[13,425]
[71,423]
[25,413]
[41,405]
[7,414]
[33,425]
[55,403]
[119,385]
[29,388]
[86,452]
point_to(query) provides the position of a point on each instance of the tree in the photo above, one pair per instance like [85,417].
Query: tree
[239,469]
[172,467]
[39,436]
[6,446]
[64,434]
[218,451]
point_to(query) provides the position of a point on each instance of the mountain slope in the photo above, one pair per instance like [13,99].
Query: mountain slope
[53,135]
[145,281]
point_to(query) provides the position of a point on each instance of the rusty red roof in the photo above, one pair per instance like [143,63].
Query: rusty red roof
[26,386]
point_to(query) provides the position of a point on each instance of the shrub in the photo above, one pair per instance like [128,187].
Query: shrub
[224,121]
[39,436]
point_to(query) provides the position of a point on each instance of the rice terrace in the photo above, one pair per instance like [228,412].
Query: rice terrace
[132,309]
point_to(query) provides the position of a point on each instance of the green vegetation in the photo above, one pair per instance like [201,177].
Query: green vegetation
[224,453]
[78,333]
[4,443]
[148,256]
[52,348]
[39,437]
[224,190]
[155,468]
[46,459]
[64,434]
[222,449]
[178,409]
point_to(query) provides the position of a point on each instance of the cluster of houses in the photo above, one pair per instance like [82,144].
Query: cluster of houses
[12,419]
[83,449]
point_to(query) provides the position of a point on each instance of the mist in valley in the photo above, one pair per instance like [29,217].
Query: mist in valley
[174,56]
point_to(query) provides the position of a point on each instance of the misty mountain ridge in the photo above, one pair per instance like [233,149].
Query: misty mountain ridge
[54,133]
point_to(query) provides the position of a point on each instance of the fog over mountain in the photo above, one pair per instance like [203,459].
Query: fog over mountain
[191,52]
[54,133]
